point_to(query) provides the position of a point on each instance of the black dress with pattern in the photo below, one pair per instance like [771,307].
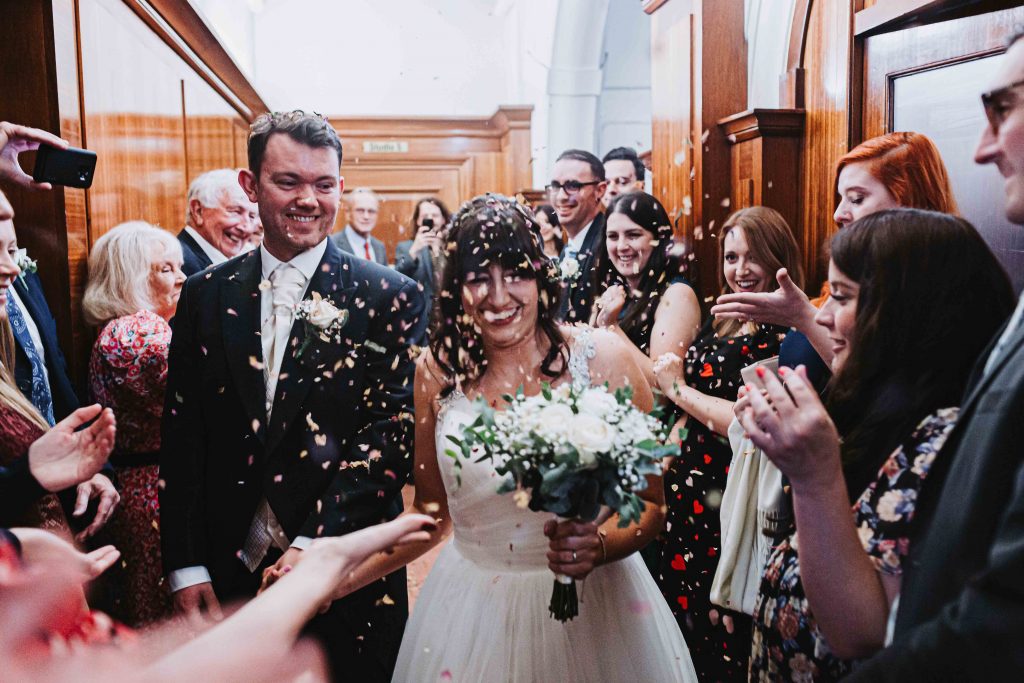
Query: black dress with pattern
[693,491]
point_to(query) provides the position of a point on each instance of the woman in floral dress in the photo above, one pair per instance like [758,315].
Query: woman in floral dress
[134,281]
[755,243]
[906,326]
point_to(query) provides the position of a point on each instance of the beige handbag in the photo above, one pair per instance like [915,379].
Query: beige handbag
[754,510]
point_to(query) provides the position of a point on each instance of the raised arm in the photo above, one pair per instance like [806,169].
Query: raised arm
[431,498]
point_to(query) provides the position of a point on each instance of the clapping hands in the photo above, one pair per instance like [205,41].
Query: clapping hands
[64,457]
[790,424]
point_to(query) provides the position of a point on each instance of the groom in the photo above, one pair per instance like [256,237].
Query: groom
[278,429]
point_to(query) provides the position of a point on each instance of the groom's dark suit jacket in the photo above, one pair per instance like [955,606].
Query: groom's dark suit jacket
[961,611]
[577,295]
[338,447]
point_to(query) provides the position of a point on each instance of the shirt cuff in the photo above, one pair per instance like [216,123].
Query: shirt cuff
[189,576]
[301,542]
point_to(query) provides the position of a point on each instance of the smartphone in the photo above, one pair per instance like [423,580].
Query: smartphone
[71,167]
[427,223]
[749,373]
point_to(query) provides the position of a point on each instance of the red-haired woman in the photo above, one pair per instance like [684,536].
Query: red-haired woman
[897,170]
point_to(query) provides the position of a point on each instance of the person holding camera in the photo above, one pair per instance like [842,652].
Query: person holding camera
[422,258]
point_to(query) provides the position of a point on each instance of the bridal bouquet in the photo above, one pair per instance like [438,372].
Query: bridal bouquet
[574,452]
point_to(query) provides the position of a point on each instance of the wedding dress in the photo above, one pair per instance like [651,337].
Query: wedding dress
[482,615]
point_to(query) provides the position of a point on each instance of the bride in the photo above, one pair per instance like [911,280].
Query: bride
[483,612]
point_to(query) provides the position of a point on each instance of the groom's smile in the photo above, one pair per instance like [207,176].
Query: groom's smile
[298,193]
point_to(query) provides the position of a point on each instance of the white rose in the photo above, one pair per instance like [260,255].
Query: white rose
[590,436]
[554,419]
[596,402]
[322,314]
[569,268]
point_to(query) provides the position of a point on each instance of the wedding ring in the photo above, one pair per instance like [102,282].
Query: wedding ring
[573,555]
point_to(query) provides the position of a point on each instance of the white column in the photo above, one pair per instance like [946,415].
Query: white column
[575,79]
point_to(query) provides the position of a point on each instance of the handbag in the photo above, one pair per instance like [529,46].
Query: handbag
[755,511]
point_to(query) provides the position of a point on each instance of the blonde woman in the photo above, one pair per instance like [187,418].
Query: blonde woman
[135,278]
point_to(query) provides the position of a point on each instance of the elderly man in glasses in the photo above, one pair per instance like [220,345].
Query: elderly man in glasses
[960,614]
[576,191]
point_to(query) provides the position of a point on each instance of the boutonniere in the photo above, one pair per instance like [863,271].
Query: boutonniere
[26,264]
[569,269]
[322,319]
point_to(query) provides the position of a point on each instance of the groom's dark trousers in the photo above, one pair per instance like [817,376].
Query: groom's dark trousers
[331,458]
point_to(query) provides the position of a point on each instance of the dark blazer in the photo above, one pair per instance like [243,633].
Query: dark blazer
[577,295]
[420,268]
[337,449]
[380,254]
[961,611]
[65,400]
[195,259]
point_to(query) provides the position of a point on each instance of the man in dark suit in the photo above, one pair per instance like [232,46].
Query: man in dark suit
[219,221]
[278,428]
[576,188]
[961,606]
[41,374]
[363,210]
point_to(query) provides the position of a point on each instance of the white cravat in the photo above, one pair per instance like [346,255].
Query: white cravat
[287,285]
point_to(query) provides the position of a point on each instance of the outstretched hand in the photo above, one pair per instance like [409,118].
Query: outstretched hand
[14,140]
[787,305]
[63,457]
[793,428]
[99,486]
[45,549]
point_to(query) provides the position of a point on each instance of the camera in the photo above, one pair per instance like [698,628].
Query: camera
[427,223]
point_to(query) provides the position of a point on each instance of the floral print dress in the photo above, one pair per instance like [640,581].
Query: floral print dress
[128,373]
[787,645]
[693,491]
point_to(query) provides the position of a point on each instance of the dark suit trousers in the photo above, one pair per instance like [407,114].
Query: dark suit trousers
[358,649]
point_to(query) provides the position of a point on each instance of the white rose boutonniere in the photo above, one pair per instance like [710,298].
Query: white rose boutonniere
[569,269]
[322,319]
[25,264]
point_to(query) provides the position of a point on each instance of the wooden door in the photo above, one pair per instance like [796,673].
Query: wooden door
[928,79]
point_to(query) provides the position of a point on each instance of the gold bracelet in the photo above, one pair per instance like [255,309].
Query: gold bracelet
[604,548]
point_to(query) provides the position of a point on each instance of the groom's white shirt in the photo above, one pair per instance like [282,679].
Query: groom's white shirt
[307,263]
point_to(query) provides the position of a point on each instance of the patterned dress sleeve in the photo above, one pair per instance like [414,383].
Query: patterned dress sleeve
[884,512]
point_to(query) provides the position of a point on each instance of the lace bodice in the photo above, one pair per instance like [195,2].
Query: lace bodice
[490,529]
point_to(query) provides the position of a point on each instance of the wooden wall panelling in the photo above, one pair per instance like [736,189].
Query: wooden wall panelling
[40,86]
[210,130]
[451,158]
[826,128]
[698,71]
[672,148]
[766,146]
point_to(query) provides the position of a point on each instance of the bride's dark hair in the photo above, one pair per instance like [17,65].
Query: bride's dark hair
[489,229]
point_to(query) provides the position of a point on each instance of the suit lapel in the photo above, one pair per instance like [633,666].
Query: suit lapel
[194,247]
[299,374]
[240,301]
[982,380]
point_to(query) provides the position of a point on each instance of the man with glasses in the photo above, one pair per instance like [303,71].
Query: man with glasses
[363,209]
[960,614]
[576,189]
[625,173]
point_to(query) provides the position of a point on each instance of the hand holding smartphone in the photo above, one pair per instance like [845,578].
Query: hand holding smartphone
[71,167]
[749,373]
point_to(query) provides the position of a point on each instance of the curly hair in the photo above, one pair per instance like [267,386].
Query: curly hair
[486,230]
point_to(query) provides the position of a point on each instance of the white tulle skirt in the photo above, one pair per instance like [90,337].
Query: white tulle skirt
[477,624]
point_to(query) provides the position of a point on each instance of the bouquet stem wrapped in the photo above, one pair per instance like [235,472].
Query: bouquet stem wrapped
[580,452]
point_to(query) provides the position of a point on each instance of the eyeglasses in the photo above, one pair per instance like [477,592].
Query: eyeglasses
[998,104]
[571,187]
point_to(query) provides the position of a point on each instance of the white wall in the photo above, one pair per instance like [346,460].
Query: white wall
[767,26]
[624,108]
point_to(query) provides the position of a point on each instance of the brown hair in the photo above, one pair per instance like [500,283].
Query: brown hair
[772,246]
[312,130]
[9,392]
[910,167]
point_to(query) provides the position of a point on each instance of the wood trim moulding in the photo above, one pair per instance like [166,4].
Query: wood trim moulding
[493,126]
[651,5]
[756,123]
[182,28]
[791,84]
[892,15]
